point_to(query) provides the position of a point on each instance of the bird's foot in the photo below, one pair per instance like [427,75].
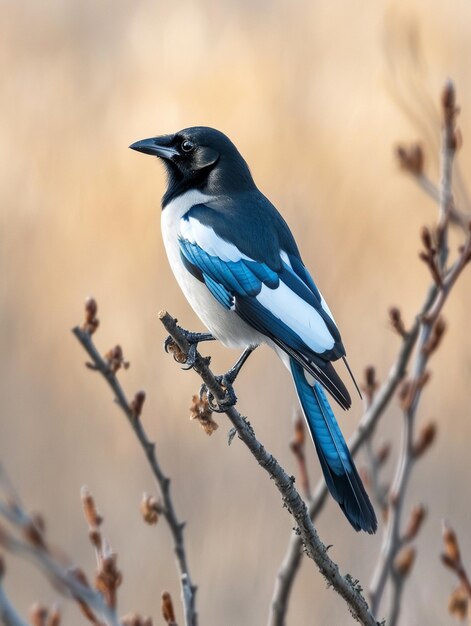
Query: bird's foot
[193,339]
[230,398]
[226,381]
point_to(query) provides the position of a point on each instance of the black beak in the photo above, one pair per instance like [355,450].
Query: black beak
[156,147]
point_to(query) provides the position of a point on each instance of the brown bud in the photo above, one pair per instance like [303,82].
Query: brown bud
[54,618]
[95,538]
[404,561]
[109,578]
[396,321]
[435,337]
[167,608]
[138,403]
[88,503]
[451,557]
[115,359]
[425,439]
[91,321]
[201,411]
[449,107]
[33,532]
[416,519]
[458,603]
[370,385]
[38,521]
[150,509]
[383,453]
[405,394]
[411,158]
[38,615]
[426,236]
[422,380]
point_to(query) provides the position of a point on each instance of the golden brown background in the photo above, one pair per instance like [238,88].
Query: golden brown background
[308,91]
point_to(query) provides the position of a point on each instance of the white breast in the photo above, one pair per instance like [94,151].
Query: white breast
[223,324]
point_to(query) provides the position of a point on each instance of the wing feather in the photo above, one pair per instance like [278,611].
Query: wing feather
[283,304]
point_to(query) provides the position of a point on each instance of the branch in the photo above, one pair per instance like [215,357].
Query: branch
[68,581]
[132,412]
[343,585]
[412,161]
[431,330]
[293,555]
[460,599]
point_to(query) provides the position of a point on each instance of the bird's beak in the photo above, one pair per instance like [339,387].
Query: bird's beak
[156,146]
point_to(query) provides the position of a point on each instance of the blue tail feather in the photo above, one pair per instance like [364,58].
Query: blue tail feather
[338,467]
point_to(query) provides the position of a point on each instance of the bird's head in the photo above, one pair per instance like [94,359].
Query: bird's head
[198,157]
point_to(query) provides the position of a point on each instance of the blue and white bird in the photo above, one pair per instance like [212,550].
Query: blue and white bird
[238,265]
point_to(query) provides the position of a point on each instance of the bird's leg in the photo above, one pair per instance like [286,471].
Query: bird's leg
[226,380]
[193,339]
[232,374]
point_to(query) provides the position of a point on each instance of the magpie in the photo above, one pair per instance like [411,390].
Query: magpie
[240,269]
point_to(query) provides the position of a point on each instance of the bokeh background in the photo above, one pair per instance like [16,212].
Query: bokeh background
[311,93]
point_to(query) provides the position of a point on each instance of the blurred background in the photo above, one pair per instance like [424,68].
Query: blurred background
[311,93]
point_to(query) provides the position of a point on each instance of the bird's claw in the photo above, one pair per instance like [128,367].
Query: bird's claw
[168,342]
[190,357]
[230,398]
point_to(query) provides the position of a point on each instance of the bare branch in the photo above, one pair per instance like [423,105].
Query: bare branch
[343,585]
[70,582]
[430,332]
[428,316]
[132,411]
[293,555]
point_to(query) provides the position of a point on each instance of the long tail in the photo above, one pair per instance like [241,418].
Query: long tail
[337,464]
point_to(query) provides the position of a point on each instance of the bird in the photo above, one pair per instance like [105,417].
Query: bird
[238,264]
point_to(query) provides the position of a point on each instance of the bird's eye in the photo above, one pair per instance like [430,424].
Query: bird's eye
[187,146]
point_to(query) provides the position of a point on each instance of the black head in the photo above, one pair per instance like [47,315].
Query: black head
[201,158]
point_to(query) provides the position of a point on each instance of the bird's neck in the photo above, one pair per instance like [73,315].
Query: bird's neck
[225,179]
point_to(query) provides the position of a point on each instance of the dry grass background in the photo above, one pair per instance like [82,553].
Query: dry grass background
[304,92]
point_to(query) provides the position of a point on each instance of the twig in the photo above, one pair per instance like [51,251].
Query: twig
[345,586]
[447,154]
[451,557]
[460,599]
[429,323]
[69,582]
[132,412]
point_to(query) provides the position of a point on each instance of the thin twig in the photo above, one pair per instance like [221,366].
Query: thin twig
[64,579]
[343,585]
[392,541]
[188,590]
[451,558]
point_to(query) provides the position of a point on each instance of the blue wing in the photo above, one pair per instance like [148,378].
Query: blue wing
[276,296]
